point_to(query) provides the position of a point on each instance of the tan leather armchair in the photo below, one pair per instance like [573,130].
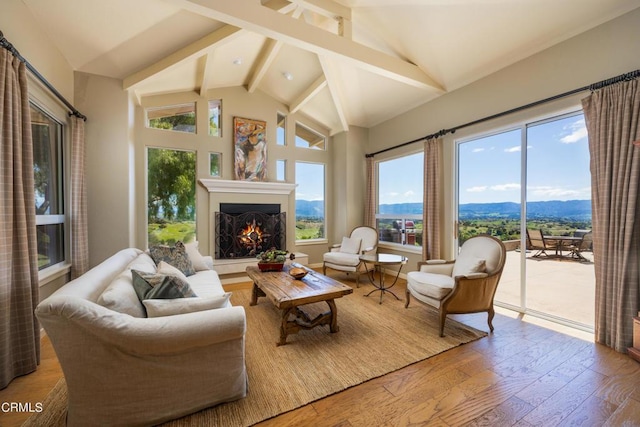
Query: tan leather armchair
[466,285]
[345,256]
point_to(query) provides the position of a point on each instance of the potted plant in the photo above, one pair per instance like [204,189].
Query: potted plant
[272,259]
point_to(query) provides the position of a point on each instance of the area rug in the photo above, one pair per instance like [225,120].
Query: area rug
[374,339]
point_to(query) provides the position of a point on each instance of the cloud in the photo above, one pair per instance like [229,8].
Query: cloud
[506,187]
[559,192]
[577,132]
[409,193]
[478,189]
[477,150]
[512,149]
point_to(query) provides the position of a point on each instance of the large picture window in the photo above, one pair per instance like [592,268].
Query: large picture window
[310,206]
[171,193]
[48,171]
[400,190]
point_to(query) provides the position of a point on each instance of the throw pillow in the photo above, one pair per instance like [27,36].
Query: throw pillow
[174,255]
[170,307]
[198,261]
[169,270]
[468,265]
[350,245]
[160,286]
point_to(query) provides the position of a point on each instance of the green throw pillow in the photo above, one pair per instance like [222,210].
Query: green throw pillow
[173,255]
[159,286]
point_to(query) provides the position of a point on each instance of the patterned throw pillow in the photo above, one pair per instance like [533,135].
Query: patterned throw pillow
[159,286]
[173,255]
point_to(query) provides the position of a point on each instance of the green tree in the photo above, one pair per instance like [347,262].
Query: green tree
[171,185]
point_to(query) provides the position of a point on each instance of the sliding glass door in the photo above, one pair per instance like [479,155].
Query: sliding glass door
[529,180]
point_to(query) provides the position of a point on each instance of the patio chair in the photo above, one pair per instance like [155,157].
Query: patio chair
[585,244]
[466,285]
[537,242]
[345,256]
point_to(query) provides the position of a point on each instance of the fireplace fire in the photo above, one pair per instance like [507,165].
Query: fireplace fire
[244,230]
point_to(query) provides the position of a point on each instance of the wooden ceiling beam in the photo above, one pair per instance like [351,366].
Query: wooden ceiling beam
[336,93]
[217,38]
[252,16]
[308,94]
[267,56]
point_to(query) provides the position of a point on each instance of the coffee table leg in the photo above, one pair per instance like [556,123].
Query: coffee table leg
[284,325]
[255,293]
[333,325]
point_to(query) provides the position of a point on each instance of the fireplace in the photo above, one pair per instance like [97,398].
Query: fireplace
[243,230]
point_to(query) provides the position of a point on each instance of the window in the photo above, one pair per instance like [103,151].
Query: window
[215,114]
[309,201]
[215,164]
[400,192]
[48,171]
[171,193]
[179,118]
[281,170]
[307,138]
[281,129]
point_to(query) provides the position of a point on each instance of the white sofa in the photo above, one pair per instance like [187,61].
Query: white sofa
[125,369]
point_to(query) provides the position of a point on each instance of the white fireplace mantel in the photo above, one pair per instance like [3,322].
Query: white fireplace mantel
[247,187]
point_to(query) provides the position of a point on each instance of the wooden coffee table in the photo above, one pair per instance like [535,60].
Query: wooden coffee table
[288,294]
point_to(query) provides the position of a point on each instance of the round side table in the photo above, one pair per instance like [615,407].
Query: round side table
[381,262]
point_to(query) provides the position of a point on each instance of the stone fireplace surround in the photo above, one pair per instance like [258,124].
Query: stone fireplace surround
[230,191]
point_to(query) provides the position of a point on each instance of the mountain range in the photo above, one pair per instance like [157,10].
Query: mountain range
[570,209]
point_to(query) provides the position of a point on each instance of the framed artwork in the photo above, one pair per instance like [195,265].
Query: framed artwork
[250,144]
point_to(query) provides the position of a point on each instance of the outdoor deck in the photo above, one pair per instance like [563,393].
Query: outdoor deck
[561,287]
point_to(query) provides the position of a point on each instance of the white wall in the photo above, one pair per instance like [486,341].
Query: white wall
[110,188]
[603,52]
[19,27]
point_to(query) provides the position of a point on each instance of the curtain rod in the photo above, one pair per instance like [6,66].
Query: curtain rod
[592,87]
[5,44]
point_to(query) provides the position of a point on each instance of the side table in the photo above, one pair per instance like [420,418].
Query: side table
[381,262]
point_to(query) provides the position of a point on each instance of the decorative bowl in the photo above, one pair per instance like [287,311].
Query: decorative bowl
[297,272]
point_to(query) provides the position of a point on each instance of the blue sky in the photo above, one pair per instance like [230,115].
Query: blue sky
[490,168]
[557,164]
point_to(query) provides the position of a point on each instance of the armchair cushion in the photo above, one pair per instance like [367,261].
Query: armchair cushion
[436,286]
[342,258]
[170,307]
[350,245]
[466,265]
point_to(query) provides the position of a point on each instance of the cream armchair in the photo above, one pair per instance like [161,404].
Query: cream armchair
[345,256]
[466,285]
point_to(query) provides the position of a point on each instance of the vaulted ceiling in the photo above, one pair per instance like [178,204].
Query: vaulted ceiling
[343,63]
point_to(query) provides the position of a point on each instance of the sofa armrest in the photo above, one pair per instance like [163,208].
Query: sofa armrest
[141,336]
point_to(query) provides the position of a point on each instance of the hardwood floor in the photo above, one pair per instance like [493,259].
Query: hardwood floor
[529,372]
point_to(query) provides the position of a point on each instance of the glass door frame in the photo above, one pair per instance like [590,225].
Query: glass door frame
[523,125]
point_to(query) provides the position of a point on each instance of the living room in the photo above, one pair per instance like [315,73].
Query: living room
[117,136]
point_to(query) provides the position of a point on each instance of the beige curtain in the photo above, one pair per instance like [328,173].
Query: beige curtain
[79,223]
[370,202]
[19,330]
[613,123]
[431,199]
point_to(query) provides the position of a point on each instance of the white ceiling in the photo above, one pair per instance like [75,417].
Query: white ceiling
[392,56]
